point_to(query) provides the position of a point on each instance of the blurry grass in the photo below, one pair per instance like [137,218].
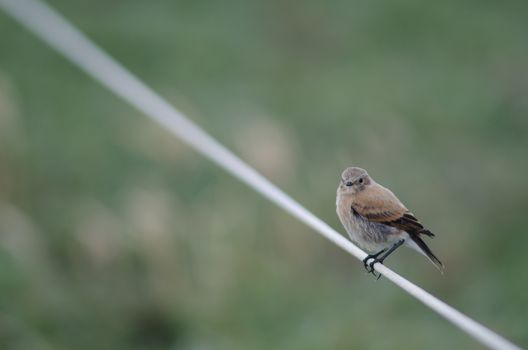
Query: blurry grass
[114,234]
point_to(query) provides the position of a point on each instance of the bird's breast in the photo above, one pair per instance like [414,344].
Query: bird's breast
[371,236]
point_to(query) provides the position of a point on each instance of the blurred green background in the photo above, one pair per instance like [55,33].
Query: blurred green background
[113,235]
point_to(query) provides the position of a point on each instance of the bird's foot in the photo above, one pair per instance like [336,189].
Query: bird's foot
[369,266]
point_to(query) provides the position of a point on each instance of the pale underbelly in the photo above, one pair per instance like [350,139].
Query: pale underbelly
[372,237]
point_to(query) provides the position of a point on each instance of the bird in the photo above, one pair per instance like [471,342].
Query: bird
[377,221]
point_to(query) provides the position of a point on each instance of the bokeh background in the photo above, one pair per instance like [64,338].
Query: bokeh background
[113,235]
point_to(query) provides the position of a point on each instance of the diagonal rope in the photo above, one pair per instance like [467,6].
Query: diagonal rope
[61,35]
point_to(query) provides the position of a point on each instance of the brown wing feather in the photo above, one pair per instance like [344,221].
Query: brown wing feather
[378,204]
[408,222]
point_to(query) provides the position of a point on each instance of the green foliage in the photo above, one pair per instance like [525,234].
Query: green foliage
[113,235]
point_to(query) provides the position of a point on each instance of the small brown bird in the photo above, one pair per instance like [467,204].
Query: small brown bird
[376,220]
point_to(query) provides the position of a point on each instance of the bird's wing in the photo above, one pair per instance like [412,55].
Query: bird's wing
[378,204]
[408,222]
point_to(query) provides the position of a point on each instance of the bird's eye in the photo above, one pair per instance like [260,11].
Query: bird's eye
[349,183]
[360,181]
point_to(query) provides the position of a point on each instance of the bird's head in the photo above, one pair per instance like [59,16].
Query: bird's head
[353,180]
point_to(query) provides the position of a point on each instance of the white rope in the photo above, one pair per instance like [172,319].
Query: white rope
[54,29]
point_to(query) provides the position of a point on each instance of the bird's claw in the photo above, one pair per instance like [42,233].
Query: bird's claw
[371,266]
[369,262]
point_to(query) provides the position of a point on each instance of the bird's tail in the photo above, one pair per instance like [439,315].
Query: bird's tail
[424,249]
